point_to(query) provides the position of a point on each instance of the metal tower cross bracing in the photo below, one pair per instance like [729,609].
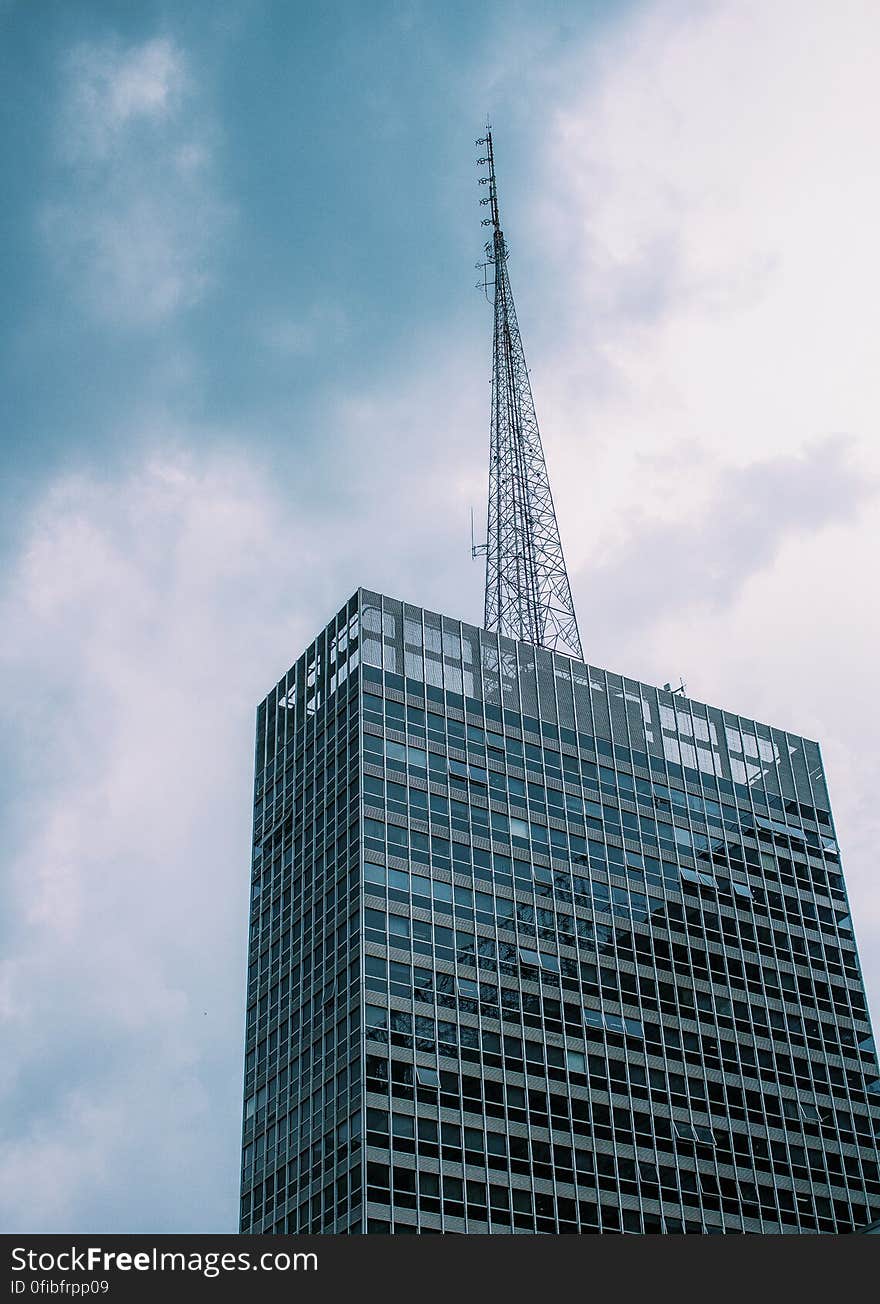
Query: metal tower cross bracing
[528,595]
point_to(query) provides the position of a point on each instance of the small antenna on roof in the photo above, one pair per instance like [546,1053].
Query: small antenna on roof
[680,691]
[477,549]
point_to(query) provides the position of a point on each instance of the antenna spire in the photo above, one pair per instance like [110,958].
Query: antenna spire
[528,595]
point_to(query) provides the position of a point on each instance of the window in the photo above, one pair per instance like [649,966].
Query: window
[694,1132]
[695,876]
[427,1077]
[613,1023]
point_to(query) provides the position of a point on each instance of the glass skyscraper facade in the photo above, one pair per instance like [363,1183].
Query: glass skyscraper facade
[538,948]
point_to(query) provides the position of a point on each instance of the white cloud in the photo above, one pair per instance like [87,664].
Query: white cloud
[143,621]
[318,328]
[144,617]
[713,201]
[136,216]
[705,560]
[111,87]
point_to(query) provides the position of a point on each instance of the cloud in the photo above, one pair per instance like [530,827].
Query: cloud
[145,615]
[709,215]
[136,217]
[112,87]
[143,621]
[320,328]
[663,569]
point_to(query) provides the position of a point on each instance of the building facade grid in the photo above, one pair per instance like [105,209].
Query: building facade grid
[538,948]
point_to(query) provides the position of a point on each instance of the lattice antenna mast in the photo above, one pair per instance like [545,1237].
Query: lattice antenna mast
[528,595]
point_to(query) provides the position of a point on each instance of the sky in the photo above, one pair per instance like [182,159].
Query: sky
[245,369]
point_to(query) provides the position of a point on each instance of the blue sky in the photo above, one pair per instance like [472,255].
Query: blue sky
[245,369]
[335,192]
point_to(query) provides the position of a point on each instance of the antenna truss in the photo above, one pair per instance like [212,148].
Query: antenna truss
[528,595]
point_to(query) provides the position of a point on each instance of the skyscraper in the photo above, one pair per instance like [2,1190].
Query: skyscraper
[536,947]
